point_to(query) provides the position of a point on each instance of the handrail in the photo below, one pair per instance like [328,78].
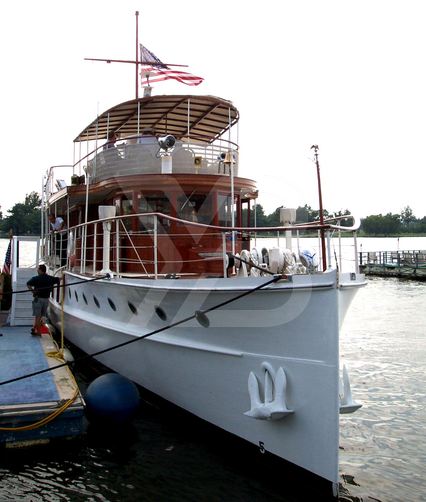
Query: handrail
[209,153]
[298,226]
[354,227]
[149,258]
[198,148]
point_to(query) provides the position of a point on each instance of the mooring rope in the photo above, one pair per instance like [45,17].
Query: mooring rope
[196,315]
[59,286]
[251,264]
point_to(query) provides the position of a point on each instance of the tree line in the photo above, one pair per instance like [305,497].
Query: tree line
[374,225]
[24,219]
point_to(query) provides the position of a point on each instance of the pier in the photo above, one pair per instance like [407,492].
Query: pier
[402,264]
[37,404]
[42,407]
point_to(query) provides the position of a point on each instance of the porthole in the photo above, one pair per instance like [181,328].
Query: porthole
[160,312]
[112,304]
[96,301]
[76,296]
[84,298]
[133,309]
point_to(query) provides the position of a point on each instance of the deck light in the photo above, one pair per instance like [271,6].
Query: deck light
[167,142]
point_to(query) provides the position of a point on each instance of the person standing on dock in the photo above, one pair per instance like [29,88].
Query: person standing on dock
[42,286]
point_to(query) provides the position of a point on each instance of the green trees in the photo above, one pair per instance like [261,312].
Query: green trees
[392,224]
[407,217]
[377,224]
[304,214]
[24,218]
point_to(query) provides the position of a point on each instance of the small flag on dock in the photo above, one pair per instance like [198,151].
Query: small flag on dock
[8,260]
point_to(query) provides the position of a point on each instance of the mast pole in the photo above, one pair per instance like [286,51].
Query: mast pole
[137,55]
[321,209]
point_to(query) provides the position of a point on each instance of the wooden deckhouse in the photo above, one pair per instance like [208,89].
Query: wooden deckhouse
[169,155]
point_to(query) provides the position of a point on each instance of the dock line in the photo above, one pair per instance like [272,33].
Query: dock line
[107,276]
[199,315]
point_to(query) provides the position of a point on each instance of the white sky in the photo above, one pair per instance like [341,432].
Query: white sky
[346,75]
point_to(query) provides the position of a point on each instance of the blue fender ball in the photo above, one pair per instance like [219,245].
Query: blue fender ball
[112,398]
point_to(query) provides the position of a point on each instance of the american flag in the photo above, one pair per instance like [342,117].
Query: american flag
[154,70]
[8,259]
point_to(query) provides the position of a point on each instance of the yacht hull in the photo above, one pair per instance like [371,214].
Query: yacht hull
[264,366]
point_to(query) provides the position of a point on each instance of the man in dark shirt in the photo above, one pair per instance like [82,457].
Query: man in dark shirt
[42,286]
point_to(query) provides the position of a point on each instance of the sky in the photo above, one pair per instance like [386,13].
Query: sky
[348,76]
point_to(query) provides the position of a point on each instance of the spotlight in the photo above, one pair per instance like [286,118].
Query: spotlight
[167,142]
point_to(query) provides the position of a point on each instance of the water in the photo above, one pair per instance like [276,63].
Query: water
[384,345]
[164,456]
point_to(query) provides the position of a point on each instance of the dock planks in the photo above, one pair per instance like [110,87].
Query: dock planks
[32,399]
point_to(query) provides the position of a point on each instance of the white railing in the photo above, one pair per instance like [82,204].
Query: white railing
[128,157]
[152,252]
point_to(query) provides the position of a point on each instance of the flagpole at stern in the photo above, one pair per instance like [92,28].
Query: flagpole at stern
[137,54]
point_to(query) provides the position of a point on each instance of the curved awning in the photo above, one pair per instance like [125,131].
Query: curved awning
[207,118]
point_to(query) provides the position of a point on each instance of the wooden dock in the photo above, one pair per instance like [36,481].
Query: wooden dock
[401,264]
[42,407]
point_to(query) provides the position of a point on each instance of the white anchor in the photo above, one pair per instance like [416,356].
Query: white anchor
[274,406]
[347,404]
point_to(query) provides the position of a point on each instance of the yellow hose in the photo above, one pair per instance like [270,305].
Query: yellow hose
[44,420]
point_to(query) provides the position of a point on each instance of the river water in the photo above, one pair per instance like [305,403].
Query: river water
[162,456]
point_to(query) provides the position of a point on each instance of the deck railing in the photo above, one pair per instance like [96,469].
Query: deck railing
[111,245]
[127,158]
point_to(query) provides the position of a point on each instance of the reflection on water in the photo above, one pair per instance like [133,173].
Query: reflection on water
[383,448]
[384,345]
[158,459]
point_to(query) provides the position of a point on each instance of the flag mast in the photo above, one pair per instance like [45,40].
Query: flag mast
[137,54]
[181,76]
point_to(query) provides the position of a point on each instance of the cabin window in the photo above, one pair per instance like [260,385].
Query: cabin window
[224,207]
[155,203]
[79,222]
[117,204]
[195,207]
[127,208]
[246,213]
